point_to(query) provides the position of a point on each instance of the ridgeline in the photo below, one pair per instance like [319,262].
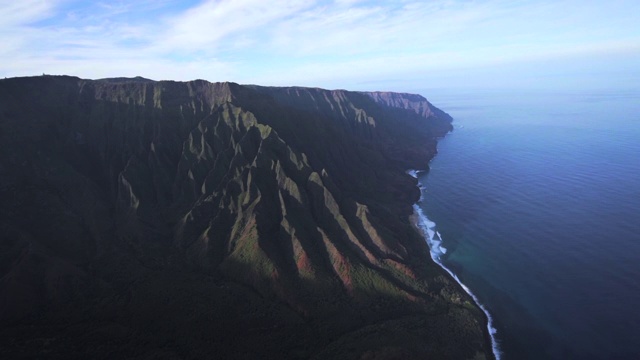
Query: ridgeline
[161,219]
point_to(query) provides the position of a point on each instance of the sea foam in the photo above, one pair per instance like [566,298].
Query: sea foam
[437,250]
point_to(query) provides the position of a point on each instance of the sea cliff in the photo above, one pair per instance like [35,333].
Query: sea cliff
[193,219]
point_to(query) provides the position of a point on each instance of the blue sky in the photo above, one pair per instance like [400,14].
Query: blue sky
[352,44]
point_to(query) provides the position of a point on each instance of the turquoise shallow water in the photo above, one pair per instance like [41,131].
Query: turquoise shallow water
[537,199]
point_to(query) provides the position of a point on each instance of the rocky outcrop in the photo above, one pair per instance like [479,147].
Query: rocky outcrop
[148,219]
[413,102]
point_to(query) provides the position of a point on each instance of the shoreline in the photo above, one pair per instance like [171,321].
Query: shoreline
[426,228]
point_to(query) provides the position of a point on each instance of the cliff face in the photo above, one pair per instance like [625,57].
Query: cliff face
[440,120]
[147,219]
[413,102]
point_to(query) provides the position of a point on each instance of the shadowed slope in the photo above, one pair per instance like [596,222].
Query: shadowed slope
[146,219]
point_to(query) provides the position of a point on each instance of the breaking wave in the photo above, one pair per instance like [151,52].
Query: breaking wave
[437,249]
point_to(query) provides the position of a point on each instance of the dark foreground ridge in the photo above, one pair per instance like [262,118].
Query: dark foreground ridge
[144,219]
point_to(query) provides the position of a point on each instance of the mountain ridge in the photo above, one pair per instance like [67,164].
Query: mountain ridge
[288,206]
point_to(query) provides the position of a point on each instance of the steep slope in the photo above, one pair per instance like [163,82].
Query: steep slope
[413,102]
[147,219]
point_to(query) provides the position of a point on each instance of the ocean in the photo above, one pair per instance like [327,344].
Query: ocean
[533,202]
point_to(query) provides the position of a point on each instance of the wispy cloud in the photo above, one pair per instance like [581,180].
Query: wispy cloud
[204,27]
[309,42]
[17,16]
[18,13]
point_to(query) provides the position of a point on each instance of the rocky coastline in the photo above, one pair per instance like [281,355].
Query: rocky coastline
[171,219]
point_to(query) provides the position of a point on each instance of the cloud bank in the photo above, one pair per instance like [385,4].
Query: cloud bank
[341,43]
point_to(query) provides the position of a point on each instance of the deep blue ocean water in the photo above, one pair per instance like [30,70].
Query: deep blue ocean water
[536,196]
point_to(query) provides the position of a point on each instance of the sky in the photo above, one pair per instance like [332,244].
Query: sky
[351,44]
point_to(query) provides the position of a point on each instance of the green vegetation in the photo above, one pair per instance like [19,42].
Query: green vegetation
[196,220]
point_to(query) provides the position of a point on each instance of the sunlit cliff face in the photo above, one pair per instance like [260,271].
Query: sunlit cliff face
[236,220]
